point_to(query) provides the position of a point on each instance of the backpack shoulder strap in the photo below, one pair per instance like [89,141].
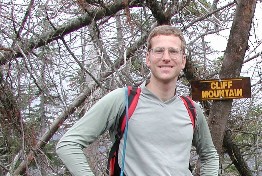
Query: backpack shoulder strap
[188,102]
[133,96]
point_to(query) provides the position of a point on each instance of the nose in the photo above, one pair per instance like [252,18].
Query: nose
[166,56]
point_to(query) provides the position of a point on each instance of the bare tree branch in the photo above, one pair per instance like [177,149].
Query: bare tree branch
[80,64]
[207,15]
[73,25]
[158,12]
[253,57]
[71,109]
[27,14]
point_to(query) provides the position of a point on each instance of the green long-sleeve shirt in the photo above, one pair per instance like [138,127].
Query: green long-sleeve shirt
[159,137]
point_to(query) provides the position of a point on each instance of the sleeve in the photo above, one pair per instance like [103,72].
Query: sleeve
[85,131]
[204,145]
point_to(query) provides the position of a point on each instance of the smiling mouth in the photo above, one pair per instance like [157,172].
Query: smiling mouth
[166,66]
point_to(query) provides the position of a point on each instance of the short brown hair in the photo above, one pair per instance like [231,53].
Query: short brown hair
[166,30]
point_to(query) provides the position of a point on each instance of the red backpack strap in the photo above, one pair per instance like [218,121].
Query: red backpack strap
[190,108]
[133,96]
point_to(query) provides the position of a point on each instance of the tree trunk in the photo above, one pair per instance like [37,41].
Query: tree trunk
[236,156]
[231,67]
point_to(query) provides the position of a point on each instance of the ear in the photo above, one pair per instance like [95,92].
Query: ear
[183,61]
[148,59]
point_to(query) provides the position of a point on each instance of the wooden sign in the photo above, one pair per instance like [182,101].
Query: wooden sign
[220,89]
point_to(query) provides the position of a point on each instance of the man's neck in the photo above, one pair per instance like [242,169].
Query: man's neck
[164,91]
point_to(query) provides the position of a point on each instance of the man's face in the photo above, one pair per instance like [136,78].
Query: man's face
[165,59]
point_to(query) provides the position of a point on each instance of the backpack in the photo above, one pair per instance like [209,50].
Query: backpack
[113,168]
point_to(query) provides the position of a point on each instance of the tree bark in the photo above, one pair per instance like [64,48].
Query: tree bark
[231,67]
[236,156]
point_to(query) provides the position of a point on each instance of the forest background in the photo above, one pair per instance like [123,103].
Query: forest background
[57,58]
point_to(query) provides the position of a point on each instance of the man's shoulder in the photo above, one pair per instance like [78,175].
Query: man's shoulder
[116,92]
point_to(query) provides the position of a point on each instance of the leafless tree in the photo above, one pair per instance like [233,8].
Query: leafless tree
[59,57]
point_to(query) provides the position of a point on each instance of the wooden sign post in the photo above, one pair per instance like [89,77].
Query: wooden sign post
[221,89]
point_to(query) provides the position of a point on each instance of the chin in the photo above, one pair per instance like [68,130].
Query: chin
[167,80]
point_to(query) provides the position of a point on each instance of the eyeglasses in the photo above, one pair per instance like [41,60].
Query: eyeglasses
[159,52]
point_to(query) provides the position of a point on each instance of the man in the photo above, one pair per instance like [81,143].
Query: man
[160,132]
